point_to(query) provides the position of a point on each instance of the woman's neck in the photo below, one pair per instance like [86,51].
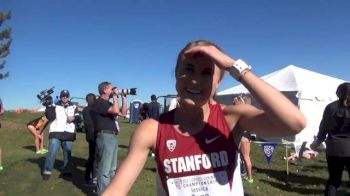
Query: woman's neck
[191,121]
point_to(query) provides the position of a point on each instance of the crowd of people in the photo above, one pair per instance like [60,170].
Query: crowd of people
[197,140]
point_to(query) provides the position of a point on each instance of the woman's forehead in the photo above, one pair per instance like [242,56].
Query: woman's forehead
[199,62]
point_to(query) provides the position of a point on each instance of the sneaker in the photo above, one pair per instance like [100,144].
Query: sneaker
[44,151]
[248,180]
[1,168]
[66,172]
[46,177]
[90,183]
[38,152]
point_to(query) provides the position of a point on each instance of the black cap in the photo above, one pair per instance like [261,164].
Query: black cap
[153,97]
[64,93]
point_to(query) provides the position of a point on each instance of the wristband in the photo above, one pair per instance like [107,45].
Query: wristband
[238,69]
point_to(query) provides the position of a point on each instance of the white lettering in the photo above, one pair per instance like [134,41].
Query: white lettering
[206,161]
[167,167]
[215,161]
[196,162]
[223,158]
[182,165]
[190,163]
[173,163]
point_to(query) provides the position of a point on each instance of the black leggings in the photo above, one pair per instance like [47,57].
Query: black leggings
[90,164]
[335,169]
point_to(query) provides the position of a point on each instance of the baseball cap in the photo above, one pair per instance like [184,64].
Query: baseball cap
[64,93]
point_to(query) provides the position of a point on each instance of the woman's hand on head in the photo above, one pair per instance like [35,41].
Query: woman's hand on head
[220,58]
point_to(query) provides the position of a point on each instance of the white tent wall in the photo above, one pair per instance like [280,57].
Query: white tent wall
[309,90]
[313,111]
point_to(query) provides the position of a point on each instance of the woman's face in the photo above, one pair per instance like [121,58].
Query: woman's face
[196,80]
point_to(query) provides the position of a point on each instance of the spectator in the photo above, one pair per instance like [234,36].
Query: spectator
[2,111]
[153,108]
[244,146]
[103,114]
[335,129]
[61,133]
[193,143]
[306,153]
[143,114]
[90,169]
[36,128]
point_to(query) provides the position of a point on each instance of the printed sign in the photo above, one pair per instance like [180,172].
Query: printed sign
[198,185]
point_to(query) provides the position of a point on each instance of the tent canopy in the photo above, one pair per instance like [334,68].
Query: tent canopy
[308,84]
[309,90]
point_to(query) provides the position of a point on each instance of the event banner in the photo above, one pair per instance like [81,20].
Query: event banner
[268,149]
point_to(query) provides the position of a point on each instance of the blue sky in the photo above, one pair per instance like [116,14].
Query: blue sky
[75,45]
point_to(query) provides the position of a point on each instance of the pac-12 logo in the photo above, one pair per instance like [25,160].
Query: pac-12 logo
[171,144]
[268,150]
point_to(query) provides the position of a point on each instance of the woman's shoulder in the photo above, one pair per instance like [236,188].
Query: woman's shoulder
[147,131]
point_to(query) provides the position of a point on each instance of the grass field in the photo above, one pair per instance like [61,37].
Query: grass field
[22,167]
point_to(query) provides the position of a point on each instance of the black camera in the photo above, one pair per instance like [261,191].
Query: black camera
[45,97]
[124,91]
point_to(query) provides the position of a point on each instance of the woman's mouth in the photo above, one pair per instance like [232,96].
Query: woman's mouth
[193,91]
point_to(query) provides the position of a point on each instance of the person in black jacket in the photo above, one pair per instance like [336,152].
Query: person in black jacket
[90,173]
[154,108]
[335,130]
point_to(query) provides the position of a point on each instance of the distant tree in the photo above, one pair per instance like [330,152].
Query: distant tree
[5,42]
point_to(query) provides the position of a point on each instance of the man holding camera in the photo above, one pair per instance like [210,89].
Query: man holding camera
[104,114]
[61,133]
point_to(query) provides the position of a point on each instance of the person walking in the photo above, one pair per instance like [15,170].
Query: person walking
[61,134]
[194,146]
[335,130]
[103,115]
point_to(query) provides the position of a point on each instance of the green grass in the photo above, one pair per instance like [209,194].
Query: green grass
[22,176]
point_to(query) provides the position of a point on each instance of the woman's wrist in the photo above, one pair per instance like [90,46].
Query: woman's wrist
[238,69]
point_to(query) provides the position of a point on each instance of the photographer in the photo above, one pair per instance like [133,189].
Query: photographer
[104,114]
[61,133]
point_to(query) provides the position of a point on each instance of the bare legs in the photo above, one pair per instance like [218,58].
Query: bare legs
[1,168]
[245,153]
[38,138]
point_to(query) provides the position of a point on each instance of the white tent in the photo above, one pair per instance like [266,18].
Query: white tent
[309,90]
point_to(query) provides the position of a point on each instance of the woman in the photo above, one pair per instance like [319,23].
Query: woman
[244,145]
[335,129]
[36,128]
[193,143]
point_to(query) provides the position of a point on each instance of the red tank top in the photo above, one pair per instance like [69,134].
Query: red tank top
[193,164]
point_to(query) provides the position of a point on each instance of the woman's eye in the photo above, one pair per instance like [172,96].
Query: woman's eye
[207,72]
[189,69]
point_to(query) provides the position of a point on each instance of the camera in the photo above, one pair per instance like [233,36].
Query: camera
[45,97]
[124,91]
